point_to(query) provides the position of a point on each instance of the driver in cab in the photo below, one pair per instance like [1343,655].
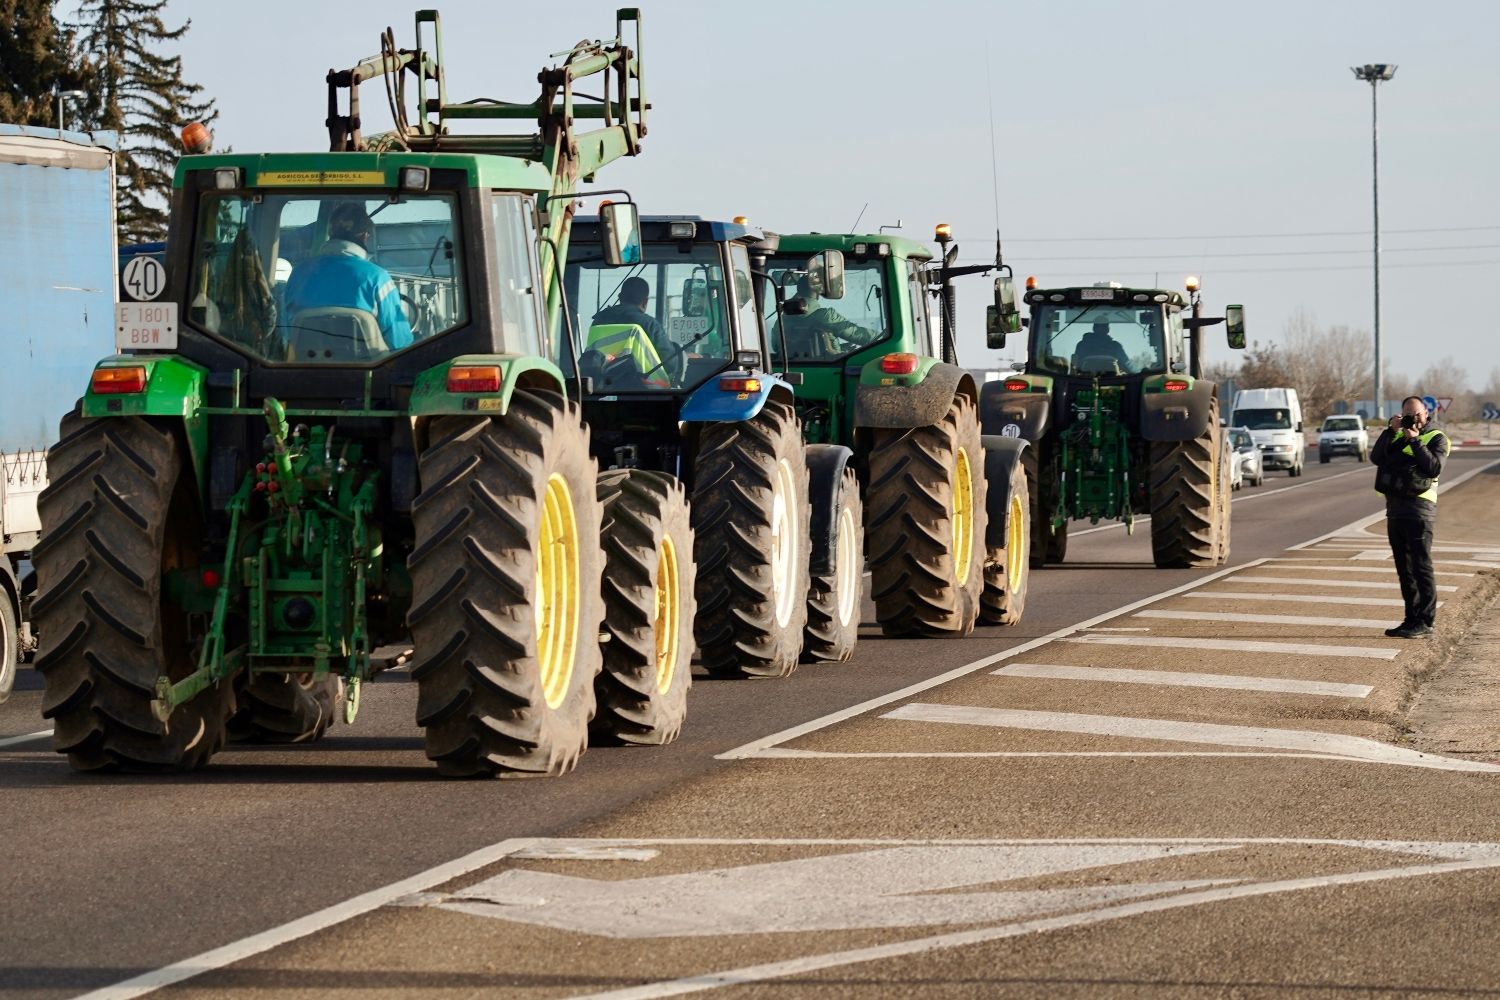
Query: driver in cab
[343,275]
[1097,352]
[815,330]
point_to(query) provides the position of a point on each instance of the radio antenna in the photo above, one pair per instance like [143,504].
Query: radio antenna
[989,88]
[855,228]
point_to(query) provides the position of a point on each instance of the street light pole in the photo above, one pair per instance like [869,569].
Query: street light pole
[1375,74]
[62,121]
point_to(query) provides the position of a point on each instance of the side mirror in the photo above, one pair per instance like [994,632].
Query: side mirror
[1234,326]
[825,272]
[620,233]
[994,329]
[1005,304]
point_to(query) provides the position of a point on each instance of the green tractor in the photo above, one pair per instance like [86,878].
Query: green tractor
[1120,421]
[342,423]
[944,509]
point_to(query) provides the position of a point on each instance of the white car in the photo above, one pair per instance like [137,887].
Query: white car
[1245,464]
[1345,435]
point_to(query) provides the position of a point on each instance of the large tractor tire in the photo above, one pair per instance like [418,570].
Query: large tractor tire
[649,607]
[1222,508]
[1046,546]
[751,521]
[833,602]
[1007,571]
[506,606]
[926,523]
[1183,481]
[286,708]
[119,514]
[10,647]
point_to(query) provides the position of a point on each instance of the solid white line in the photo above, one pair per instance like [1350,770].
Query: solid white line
[812,963]
[833,718]
[1176,678]
[1307,563]
[1129,727]
[1365,522]
[1355,599]
[1312,582]
[1233,616]
[1242,646]
[788,753]
[218,958]
[13,740]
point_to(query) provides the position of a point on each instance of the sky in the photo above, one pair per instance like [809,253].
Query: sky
[1134,142]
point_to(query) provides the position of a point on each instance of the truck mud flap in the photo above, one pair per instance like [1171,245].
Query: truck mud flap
[1029,412]
[1177,416]
[1001,455]
[825,469]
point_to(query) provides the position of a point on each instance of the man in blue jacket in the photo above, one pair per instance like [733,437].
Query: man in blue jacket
[343,275]
[1408,459]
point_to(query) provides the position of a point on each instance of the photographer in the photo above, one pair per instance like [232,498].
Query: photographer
[1408,459]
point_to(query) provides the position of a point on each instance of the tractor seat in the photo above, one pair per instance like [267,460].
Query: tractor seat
[334,333]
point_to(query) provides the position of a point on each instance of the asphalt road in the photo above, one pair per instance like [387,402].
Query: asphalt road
[1049,830]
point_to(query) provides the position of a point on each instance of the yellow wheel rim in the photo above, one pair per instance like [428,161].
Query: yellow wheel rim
[668,612]
[1016,531]
[963,518]
[557,596]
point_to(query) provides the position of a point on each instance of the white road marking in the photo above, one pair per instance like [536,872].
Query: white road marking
[1355,528]
[754,747]
[1119,628]
[1355,748]
[1384,555]
[1355,599]
[881,888]
[1380,543]
[1177,678]
[1451,858]
[1236,616]
[1245,646]
[13,740]
[1307,563]
[789,753]
[1313,582]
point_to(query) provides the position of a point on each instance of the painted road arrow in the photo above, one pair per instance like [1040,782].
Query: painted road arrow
[867,889]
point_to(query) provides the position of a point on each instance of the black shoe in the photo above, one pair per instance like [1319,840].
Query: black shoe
[1414,631]
[1399,632]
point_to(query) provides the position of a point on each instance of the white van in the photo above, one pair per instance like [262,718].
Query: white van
[1274,417]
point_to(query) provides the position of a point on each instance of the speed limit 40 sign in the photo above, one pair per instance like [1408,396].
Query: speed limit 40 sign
[143,278]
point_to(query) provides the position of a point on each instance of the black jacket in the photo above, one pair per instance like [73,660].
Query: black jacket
[1389,454]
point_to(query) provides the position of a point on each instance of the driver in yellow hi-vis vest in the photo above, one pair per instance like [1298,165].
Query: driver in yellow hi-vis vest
[1409,458]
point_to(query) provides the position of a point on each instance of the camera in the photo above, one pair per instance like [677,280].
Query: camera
[1408,420]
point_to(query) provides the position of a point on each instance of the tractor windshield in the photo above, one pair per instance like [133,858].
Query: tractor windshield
[1098,339]
[322,278]
[827,330]
[661,325]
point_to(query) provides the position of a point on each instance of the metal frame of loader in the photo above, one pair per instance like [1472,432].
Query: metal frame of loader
[227,536]
[907,410]
[1112,445]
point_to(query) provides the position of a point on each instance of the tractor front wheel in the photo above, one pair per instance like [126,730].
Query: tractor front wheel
[833,602]
[505,572]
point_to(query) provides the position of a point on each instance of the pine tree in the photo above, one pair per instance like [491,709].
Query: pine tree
[33,63]
[140,93]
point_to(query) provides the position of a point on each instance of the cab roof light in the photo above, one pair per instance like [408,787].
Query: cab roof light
[227,178]
[1192,283]
[415,178]
[739,383]
[1016,385]
[687,230]
[196,138]
[860,249]
[943,232]
[118,380]
[1175,385]
[1031,282]
[1162,296]
[1141,297]
[882,250]
[742,220]
[474,378]
[899,363]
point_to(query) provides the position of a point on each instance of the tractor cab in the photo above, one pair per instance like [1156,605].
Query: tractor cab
[1106,331]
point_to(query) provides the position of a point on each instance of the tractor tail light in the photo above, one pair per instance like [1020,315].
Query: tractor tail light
[739,384]
[1174,385]
[1016,385]
[120,379]
[478,378]
[898,364]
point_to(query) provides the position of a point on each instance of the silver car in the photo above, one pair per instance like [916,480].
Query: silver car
[1245,465]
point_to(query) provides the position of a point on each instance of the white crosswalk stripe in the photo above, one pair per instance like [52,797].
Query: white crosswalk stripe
[1253,619]
[1175,678]
[1242,646]
[1358,600]
[1322,582]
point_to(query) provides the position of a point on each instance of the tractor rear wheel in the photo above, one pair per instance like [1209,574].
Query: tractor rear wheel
[1184,494]
[118,516]
[506,606]
[10,646]
[1046,546]
[1007,571]
[1222,508]
[649,608]
[750,519]
[286,708]
[833,602]
[925,530]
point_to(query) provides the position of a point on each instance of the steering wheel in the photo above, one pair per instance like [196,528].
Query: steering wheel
[415,314]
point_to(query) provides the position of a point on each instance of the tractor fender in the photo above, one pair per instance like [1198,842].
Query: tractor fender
[708,404]
[1001,456]
[825,471]
[431,397]
[1176,416]
[917,400]
[1029,412]
[175,387]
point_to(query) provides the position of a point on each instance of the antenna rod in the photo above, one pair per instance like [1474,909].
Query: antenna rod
[989,87]
[855,228]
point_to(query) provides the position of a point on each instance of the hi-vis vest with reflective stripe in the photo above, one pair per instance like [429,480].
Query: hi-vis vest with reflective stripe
[1430,493]
[615,339]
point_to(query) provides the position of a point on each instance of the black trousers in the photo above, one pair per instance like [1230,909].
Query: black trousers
[1411,544]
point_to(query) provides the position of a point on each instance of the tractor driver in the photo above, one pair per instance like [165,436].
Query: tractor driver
[816,331]
[635,293]
[342,274]
[1098,346]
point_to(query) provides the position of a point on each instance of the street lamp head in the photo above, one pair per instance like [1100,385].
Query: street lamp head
[1374,72]
[74,94]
